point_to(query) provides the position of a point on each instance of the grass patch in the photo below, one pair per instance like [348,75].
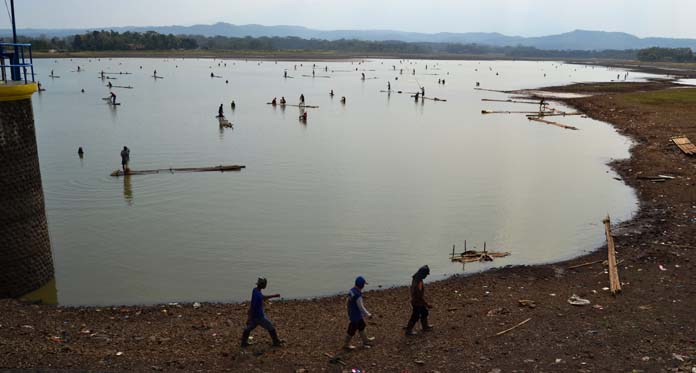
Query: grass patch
[672,97]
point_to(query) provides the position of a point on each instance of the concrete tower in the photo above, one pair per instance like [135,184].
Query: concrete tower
[26,263]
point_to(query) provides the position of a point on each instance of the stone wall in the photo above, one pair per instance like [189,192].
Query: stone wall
[26,262]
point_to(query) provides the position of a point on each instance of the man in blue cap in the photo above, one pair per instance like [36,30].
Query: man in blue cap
[356,314]
[257,316]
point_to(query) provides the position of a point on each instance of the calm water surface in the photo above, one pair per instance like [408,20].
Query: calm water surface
[376,187]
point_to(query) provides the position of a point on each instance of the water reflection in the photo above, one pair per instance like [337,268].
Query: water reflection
[127,190]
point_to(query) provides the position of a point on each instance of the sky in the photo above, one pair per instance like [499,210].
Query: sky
[668,18]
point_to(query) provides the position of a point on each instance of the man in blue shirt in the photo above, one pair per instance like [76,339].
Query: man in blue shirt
[257,316]
[356,314]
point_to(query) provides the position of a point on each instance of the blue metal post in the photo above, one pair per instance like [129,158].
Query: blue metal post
[16,74]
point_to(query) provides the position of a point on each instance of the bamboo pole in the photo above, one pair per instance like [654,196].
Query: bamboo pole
[553,123]
[514,327]
[614,283]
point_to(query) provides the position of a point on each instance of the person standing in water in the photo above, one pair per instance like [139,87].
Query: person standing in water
[125,159]
[301,99]
[257,316]
[220,112]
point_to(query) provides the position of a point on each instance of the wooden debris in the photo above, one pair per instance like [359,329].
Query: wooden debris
[684,144]
[469,256]
[220,168]
[586,264]
[614,283]
[514,327]
[536,119]
[334,359]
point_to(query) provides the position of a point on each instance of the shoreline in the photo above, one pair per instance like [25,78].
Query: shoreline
[469,309]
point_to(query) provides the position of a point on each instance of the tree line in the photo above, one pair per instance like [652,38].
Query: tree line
[115,41]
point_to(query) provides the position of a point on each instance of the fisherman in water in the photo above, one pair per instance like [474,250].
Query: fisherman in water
[125,158]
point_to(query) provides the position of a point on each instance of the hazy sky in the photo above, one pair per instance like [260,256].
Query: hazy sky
[672,18]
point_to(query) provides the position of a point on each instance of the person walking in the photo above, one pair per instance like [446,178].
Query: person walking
[418,302]
[257,316]
[356,315]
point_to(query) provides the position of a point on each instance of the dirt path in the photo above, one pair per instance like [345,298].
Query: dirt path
[650,327]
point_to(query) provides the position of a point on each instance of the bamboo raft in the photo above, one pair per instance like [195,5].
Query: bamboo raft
[684,144]
[511,101]
[122,86]
[156,77]
[535,113]
[430,98]
[469,256]
[302,106]
[316,76]
[224,123]
[221,168]
[536,119]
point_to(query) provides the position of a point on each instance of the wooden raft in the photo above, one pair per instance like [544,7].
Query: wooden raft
[536,119]
[220,168]
[684,144]
[469,256]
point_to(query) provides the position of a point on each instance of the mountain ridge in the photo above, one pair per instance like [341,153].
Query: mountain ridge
[573,40]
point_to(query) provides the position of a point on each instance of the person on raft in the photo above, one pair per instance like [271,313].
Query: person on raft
[125,159]
[343,99]
[301,99]
[285,74]
[363,76]
[417,95]
[274,102]
[220,111]
[388,86]
[282,100]
[257,316]
[331,93]
[423,91]
[80,152]
[212,75]
[109,85]
[113,98]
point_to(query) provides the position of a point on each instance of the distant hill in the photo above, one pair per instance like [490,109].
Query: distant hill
[574,40]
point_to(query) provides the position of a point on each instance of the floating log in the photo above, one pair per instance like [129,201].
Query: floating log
[302,106]
[536,119]
[684,144]
[220,168]
[614,283]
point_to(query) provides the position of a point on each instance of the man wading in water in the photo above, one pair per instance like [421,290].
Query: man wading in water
[258,317]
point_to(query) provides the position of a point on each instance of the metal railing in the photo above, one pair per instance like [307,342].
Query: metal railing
[13,57]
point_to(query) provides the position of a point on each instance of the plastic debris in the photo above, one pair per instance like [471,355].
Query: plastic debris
[662,268]
[196,305]
[577,301]
[119,353]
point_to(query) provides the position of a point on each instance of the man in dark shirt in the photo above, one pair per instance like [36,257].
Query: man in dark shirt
[418,302]
[257,316]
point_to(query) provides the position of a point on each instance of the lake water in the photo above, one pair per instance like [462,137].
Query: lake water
[376,187]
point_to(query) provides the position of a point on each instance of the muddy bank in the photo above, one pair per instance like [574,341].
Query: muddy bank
[649,327]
